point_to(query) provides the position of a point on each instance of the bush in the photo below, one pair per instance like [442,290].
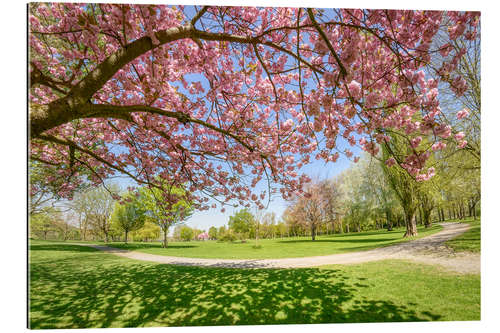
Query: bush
[227,236]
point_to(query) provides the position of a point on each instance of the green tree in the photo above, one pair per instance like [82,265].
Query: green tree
[96,204]
[43,222]
[186,234]
[128,216]
[166,206]
[404,185]
[148,232]
[212,233]
[241,222]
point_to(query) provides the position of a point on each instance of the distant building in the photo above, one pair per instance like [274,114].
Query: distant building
[203,236]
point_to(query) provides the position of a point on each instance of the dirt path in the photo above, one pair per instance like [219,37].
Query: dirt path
[429,250]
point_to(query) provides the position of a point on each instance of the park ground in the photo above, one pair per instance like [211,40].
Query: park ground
[73,286]
[288,247]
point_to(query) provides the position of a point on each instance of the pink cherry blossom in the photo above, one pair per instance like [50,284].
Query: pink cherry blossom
[462,114]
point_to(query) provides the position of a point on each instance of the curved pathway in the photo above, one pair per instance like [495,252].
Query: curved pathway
[429,250]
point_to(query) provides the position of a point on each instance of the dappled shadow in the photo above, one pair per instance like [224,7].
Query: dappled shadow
[105,291]
[62,247]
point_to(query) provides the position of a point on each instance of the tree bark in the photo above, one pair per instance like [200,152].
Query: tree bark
[313,231]
[411,225]
[427,218]
[165,242]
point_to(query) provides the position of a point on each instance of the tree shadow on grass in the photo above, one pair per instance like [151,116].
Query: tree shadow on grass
[62,247]
[106,291]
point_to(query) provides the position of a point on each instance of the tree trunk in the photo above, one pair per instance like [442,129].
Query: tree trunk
[165,243]
[389,221]
[427,218]
[126,236]
[347,228]
[411,225]
[313,231]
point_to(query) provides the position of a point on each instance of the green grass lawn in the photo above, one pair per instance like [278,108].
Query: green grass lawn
[279,248]
[470,240]
[73,286]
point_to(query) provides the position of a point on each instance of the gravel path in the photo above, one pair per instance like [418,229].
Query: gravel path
[429,250]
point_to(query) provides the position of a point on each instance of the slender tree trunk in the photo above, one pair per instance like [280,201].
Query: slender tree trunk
[313,231]
[257,235]
[165,242]
[347,228]
[389,221]
[126,236]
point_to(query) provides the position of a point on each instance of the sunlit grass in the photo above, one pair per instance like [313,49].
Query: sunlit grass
[470,240]
[73,286]
[280,247]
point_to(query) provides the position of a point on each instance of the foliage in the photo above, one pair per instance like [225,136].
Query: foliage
[227,236]
[148,232]
[242,222]
[94,206]
[127,215]
[165,206]
[403,184]
[186,233]
[219,100]
[212,233]
[44,222]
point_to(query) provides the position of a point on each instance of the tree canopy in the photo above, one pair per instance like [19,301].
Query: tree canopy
[220,98]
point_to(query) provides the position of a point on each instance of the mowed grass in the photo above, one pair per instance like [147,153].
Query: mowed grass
[74,286]
[280,247]
[470,241]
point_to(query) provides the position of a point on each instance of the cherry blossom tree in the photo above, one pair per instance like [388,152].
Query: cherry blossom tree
[218,99]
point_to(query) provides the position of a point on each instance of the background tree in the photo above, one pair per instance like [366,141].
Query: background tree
[308,209]
[148,232]
[165,207]
[404,185]
[127,215]
[212,232]
[186,234]
[242,222]
[44,222]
